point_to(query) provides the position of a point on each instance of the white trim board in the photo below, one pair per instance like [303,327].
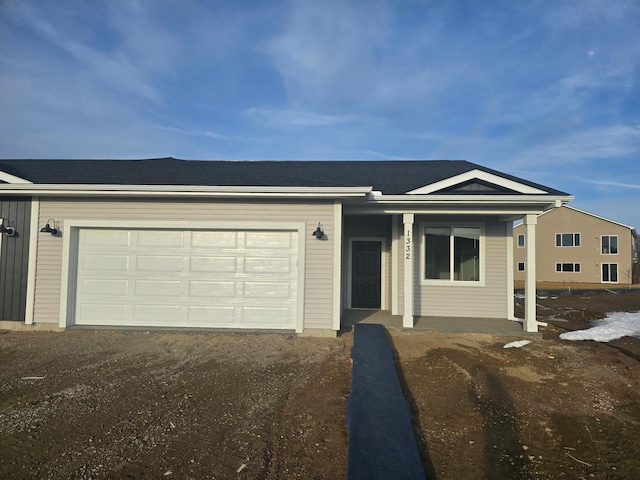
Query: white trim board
[12,179]
[476,175]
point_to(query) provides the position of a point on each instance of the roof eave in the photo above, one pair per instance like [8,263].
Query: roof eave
[492,200]
[91,190]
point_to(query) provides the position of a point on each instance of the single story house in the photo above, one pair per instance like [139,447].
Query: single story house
[575,246]
[282,245]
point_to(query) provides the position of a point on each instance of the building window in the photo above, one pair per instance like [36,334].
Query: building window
[521,240]
[609,245]
[568,267]
[452,253]
[567,239]
[521,266]
[610,272]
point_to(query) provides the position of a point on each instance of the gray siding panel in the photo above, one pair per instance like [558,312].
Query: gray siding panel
[14,258]
[318,295]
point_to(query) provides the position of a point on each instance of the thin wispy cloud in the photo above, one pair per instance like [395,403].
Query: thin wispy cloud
[543,90]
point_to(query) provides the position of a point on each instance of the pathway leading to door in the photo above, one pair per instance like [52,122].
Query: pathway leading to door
[379,420]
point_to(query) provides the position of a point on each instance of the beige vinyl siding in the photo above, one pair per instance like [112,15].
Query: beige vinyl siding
[318,279]
[588,254]
[458,300]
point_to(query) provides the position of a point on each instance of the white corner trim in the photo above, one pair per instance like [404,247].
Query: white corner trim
[7,177]
[476,175]
[337,265]
[31,267]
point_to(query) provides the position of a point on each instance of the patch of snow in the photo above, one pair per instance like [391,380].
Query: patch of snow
[517,344]
[615,325]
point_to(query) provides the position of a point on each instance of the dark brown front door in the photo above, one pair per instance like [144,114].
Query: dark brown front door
[366,277]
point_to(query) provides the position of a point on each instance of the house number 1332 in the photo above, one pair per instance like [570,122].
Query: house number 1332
[407,245]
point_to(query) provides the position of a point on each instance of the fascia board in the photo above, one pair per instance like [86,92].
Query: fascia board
[45,190]
[470,199]
[12,179]
[476,175]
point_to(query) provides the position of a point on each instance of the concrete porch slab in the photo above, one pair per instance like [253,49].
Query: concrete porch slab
[492,326]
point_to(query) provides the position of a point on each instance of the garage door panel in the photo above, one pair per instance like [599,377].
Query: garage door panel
[215,239]
[159,263]
[267,290]
[214,264]
[271,265]
[154,288]
[101,314]
[212,289]
[104,287]
[167,239]
[214,278]
[223,317]
[106,238]
[101,263]
[269,240]
[261,317]
[157,314]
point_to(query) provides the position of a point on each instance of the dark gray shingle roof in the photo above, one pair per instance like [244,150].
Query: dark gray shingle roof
[391,177]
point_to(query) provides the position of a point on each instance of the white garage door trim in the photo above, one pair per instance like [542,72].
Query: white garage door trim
[72,228]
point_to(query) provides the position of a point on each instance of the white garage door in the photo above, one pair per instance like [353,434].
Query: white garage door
[176,278]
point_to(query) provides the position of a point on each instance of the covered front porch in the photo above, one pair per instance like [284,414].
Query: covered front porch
[491,326]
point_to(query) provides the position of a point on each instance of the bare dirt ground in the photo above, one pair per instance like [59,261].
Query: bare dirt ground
[124,404]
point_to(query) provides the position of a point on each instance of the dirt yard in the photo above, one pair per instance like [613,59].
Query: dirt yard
[119,404]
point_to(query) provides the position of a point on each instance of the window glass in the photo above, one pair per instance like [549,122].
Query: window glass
[609,244]
[452,253]
[466,249]
[521,266]
[521,240]
[437,253]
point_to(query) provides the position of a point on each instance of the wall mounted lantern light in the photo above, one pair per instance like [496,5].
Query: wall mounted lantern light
[319,234]
[8,231]
[48,229]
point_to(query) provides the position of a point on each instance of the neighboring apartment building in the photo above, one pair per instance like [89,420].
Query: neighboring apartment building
[578,247]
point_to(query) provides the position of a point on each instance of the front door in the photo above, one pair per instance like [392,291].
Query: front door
[366,276]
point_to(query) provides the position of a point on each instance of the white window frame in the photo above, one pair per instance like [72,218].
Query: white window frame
[574,236]
[451,281]
[521,264]
[608,264]
[518,243]
[609,237]
[559,267]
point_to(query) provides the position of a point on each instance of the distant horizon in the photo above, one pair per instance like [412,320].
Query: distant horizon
[547,92]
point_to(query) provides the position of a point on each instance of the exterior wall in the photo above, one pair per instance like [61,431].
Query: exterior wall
[588,254]
[372,226]
[318,279]
[14,255]
[488,299]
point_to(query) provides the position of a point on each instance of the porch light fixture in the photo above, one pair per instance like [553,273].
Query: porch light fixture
[319,234]
[8,231]
[47,228]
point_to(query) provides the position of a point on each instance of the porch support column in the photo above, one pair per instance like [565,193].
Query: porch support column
[530,322]
[407,254]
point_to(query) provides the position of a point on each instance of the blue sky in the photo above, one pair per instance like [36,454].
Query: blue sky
[545,90]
